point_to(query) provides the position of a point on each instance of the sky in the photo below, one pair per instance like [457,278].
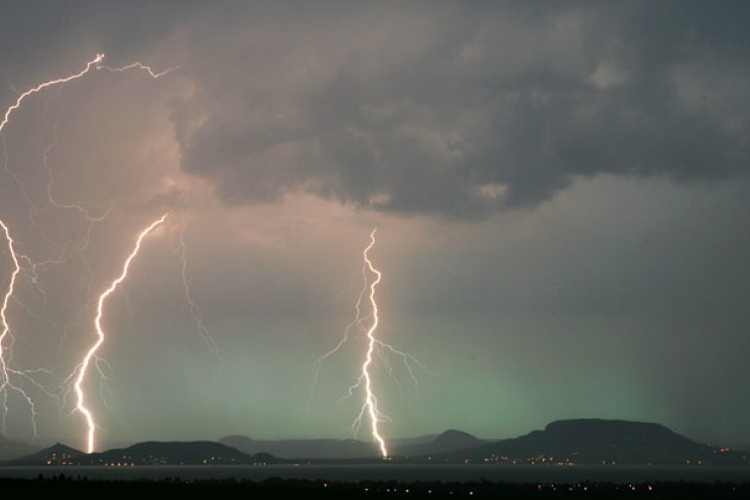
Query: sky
[561,194]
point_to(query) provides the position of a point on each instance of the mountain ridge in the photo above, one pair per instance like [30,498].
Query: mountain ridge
[575,441]
[601,441]
[147,453]
[349,449]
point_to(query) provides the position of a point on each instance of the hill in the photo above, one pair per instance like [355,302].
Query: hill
[352,449]
[449,441]
[304,448]
[147,453]
[57,454]
[580,441]
[175,453]
[597,441]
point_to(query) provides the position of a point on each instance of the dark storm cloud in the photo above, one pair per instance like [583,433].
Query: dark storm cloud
[455,109]
[44,35]
[459,109]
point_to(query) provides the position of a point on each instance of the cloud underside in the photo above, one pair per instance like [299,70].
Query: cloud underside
[455,109]
[459,111]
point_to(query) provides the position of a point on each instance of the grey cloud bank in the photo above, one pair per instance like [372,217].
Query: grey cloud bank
[461,109]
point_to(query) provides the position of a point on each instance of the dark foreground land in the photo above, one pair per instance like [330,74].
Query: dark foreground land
[67,487]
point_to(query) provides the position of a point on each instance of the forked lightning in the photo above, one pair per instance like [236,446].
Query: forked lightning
[13,379]
[374,348]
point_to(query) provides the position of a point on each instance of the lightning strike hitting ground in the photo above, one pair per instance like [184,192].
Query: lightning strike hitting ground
[14,380]
[5,370]
[374,347]
[371,402]
[81,406]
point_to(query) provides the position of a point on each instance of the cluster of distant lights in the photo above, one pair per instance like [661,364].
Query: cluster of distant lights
[395,490]
[585,488]
[69,459]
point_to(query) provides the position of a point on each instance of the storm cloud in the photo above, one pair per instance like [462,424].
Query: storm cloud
[458,109]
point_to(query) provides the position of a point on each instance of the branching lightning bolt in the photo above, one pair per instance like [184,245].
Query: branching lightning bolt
[195,311]
[5,370]
[24,265]
[81,406]
[374,348]
[91,64]
[371,402]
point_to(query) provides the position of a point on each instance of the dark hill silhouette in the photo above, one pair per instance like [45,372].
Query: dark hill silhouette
[147,453]
[352,449]
[189,452]
[455,439]
[583,441]
[597,441]
[449,441]
[57,454]
[304,448]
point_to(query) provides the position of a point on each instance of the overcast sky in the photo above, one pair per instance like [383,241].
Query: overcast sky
[560,191]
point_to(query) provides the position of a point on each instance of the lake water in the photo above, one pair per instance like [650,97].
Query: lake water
[405,473]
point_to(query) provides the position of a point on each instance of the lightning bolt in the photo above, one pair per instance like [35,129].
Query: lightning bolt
[91,353]
[11,286]
[374,348]
[94,63]
[371,402]
[195,311]
[91,64]
[24,265]
[5,370]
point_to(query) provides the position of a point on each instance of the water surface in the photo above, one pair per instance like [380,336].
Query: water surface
[398,472]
